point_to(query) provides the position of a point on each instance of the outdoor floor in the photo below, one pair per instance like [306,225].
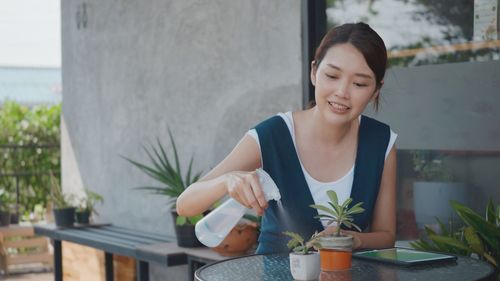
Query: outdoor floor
[46,276]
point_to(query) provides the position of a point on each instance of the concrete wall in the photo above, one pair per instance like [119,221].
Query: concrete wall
[209,70]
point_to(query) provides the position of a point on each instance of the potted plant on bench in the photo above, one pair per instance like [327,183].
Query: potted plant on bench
[87,206]
[304,263]
[336,248]
[63,208]
[173,184]
[5,203]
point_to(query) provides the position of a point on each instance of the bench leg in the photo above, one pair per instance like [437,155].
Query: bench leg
[193,265]
[58,274]
[142,270]
[108,265]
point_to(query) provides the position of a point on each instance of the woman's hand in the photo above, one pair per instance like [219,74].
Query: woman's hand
[245,188]
[331,230]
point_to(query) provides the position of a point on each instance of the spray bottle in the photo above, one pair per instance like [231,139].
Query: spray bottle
[214,227]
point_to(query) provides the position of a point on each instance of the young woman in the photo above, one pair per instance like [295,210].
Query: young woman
[330,146]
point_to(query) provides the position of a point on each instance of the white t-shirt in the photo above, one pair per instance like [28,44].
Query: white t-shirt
[318,189]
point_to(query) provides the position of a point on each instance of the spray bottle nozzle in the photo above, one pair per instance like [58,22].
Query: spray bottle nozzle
[271,191]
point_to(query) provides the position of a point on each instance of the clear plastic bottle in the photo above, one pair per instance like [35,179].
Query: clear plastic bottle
[214,227]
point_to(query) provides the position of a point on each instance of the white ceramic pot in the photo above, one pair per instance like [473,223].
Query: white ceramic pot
[305,267]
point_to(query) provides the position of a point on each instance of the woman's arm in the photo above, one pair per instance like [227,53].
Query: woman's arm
[383,227]
[235,176]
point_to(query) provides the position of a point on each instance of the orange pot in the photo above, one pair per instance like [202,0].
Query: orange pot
[332,260]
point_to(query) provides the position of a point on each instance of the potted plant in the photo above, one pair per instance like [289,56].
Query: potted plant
[5,202]
[63,208]
[173,184]
[479,236]
[87,206]
[336,248]
[434,188]
[304,263]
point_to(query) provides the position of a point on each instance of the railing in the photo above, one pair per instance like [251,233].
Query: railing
[17,174]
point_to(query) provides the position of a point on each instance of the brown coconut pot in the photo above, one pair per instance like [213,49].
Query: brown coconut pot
[239,240]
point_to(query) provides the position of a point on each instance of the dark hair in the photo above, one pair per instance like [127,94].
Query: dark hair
[363,38]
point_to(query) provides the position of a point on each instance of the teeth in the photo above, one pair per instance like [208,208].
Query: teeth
[338,106]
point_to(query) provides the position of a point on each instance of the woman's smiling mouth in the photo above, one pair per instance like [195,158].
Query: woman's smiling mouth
[338,107]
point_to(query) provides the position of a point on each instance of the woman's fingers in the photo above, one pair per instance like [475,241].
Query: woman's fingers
[245,188]
[329,230]
[250,196]
[258,191]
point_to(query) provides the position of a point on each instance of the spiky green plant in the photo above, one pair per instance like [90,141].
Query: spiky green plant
[59,199]
[479,236]
[341,214]
[169,175]
[298,245]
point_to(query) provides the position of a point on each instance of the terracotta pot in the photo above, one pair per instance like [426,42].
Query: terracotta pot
[344,275]
[305,267]
[335,253]
[239,240]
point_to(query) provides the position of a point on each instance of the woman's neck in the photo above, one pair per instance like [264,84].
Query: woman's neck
[328,133]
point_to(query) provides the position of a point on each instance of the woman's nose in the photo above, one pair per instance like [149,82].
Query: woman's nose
[342,90]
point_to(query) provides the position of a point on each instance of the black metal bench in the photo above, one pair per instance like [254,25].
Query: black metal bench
[110,239]
[143,247]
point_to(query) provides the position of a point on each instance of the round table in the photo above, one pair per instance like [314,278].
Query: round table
[277,267]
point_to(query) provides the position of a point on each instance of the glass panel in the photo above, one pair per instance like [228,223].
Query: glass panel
[428,179]
[422,32]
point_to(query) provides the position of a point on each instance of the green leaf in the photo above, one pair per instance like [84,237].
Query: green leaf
[449,241]
[333,197]
[473,240]
[295,241]
[324,209]
[194,219]
[488,231]
[490,212]
[180,220]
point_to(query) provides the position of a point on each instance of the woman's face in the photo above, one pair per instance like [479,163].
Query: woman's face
[344,84]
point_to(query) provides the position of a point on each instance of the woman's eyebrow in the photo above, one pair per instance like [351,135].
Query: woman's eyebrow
[364,75]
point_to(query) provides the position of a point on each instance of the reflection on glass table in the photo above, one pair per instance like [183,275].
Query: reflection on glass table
[277,267]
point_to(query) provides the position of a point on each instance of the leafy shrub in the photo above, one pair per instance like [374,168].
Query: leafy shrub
[29,147]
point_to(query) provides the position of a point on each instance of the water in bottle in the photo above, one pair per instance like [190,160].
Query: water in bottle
[214,227]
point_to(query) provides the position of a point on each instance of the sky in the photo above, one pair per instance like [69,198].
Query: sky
[30,33]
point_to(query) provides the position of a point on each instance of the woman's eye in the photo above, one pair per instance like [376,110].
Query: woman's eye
[360,85]
[331,76]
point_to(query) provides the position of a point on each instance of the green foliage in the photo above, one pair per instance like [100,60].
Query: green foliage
[6,200]
[430,166]
[479,236]
[89,202]
[339,213]
[168,173]
[298,245]
[29,127]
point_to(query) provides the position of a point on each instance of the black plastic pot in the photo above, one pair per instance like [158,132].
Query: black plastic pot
[4,218]
[14,218]
[64,217]
[83,217]
[185,234]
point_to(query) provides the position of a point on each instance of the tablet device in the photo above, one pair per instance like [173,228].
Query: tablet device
[403,256]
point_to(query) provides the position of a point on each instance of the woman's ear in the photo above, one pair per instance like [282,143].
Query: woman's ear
[377,91]
[313,72]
